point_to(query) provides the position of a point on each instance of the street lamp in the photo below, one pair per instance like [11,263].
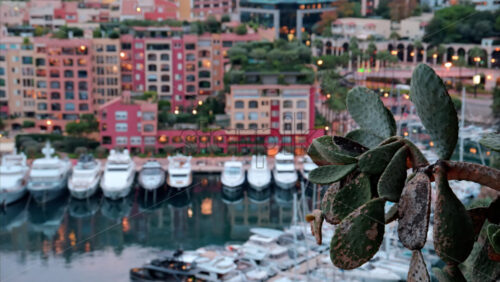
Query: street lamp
[448,65]
[476,80]
[319,62]
[454,58]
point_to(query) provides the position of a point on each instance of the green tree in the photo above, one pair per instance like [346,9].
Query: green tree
[212,24]
[241,29]
[383,9]
[225,18]
[97,33]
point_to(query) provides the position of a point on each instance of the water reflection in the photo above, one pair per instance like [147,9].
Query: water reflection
[104,229]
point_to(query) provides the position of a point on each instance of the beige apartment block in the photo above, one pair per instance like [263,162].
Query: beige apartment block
[106,68]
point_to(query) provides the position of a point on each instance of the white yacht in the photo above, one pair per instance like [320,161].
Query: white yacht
[179,171]
[118,176]
[84,181]
[151,176]
[233,175]
[48,176]
[307,166]
[259,176]
[13,178]
[284,172]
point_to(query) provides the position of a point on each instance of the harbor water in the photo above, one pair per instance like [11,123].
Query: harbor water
[100,240]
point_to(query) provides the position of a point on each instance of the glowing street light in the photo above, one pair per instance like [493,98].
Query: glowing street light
[49,122]
[122,55]
[448,65]
[434,56]
[327,128]
[319,62]
[200,102]
[176,112]
[476,79]
[195,111]
[394,52]
[454,58]
[477,59]
[328,96]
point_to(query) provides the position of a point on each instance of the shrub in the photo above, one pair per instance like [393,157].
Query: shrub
[101,152]
[169,149]
[80,151]
[149,150]
[232,150]
[28,124]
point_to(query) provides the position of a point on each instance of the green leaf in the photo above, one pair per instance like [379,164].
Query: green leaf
[358,237]
[453,227]
[375,160]
[330,173]
[491,140]
[324,152]
[435,109]
[392,180]
[348,198]
[369,112]
[364,137]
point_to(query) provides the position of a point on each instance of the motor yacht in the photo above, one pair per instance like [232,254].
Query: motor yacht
[48,176]
[118,175]
[233,175]
[85,178]
[284,172]
[179,171]
[307,166]
[259,176]
[13,178]
[151,176]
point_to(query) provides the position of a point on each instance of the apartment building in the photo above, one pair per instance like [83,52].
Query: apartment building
[361,28]
[106,70]
[128,123]
[201,9]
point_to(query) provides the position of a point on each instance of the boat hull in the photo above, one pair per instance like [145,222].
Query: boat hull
[116,194]
[150,186]
[11,196]
[285,184]
[83,193]
[259,186]
[46,192]
[180,184]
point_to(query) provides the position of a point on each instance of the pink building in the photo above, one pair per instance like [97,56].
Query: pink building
[63,82]
[67,12]
[162,10]
[203,8]
[128,123]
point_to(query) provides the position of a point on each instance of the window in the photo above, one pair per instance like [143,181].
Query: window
[68,85]
[286,139]
[287,104]
[82,74]
[151,57]
[69,107]
[239,104]
[239,116]
[55,96]
[138,45]
[135,140]
[272,139]
[240,126]
[165,78]
[83,107]
[69,95]
[120,115]
[111,48]
[301,104]
[301,115]
[288,126]
[121,127]
[165,88]
[151,67]
[253,126]
[253,104]
[55,85]
[287,116]
[300,126]
[275,124]
[121,140]
[149,128]
[275,113]
[82,85]
[55,106]
[253,116]
[149,140]
[164,57]
[83,95]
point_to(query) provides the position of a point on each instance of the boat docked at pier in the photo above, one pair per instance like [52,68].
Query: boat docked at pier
[85,178]
[179,171]
[118,176]
[151,176]
[284,172]
[307,166]
[48,176]
[13,178]
[259,175]
[233,175]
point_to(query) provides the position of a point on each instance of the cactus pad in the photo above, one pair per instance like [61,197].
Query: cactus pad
[358,237]
[393,178]
[316,221]
[491,140]
[350,147]
[418,270]
[478,216]
[414,212]
[327,201]
[435,109]
[364,137]
[453,228]
[417,158]
[369,112]
[494,237]
[375,160]
[350,197]
[330,173]
[324,152]
[392,214]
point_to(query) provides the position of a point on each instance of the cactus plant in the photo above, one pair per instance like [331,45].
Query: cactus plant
[368,167]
